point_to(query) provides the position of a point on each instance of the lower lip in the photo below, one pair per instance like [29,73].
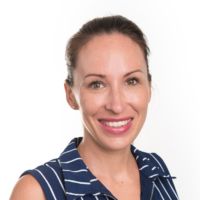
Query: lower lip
[117,130]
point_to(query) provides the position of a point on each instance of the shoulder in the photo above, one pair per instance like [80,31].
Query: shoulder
[27,188]
[46,181]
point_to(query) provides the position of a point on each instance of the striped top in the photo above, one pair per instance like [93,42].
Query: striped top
[67,177]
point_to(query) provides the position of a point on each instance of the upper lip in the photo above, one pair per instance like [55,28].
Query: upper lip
[115,119]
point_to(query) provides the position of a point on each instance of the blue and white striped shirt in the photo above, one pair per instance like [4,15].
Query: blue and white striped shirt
[67,177]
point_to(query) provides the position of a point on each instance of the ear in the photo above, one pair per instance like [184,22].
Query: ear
[70,97]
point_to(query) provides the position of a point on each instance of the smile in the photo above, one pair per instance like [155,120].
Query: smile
[116,126]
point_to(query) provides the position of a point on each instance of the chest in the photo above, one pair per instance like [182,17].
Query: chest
[127,191]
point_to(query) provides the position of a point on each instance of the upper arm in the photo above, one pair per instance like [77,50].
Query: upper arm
[27,188]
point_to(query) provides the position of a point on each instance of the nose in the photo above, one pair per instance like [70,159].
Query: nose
[115,101]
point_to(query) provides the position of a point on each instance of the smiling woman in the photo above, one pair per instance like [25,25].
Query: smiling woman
[109,82]
[113,105]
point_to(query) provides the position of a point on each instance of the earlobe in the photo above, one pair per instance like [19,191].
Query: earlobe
[70,97]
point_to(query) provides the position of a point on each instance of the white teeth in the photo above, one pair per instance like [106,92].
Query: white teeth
[117,124]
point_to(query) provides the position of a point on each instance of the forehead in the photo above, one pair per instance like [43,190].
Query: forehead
[105,51]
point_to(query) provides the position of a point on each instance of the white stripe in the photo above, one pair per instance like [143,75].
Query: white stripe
[152,191]
[53,161]
[172,188]
[137,157]
[78,182]
[75,171]
[166,176]
[50,188]
[57,177]
[98,193]
[145,158]
[74,194]
[158,191]
[158,162]
[154,168]
[65,152]
[96,197]
[164,189]
[59,161]
[71,143]
[143,167]
[135,150]
[70,161]
[93,180]
[153,175]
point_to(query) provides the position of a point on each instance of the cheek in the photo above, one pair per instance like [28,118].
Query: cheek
[90,104]
[139,98]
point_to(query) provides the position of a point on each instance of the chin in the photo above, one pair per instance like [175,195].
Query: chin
[115,144]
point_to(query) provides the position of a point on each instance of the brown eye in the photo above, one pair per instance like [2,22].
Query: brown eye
[96,85]
[132,81]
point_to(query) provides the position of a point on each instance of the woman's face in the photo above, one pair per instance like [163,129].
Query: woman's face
[112,90]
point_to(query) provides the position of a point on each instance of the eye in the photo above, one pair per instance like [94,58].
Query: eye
[96,85]
[132,81]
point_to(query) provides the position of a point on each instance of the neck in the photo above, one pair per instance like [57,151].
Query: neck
[107,163]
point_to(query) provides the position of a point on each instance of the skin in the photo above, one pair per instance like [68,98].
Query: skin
[27,188]
[110,81]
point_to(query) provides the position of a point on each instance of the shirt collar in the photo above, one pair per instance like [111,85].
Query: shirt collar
[149,165]
[74,169]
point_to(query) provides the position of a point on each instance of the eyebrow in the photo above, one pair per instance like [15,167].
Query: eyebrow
[93,74]
[103,76]
[132,72]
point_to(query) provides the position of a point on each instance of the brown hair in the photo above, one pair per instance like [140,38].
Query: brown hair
[99,26]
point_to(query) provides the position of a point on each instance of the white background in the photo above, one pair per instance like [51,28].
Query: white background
[36,123]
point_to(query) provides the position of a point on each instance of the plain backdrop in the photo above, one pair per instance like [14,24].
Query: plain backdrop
[35,121]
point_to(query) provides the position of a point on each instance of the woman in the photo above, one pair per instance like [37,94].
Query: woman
[109,82]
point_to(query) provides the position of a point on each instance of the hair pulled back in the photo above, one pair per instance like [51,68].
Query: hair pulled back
[98,26]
